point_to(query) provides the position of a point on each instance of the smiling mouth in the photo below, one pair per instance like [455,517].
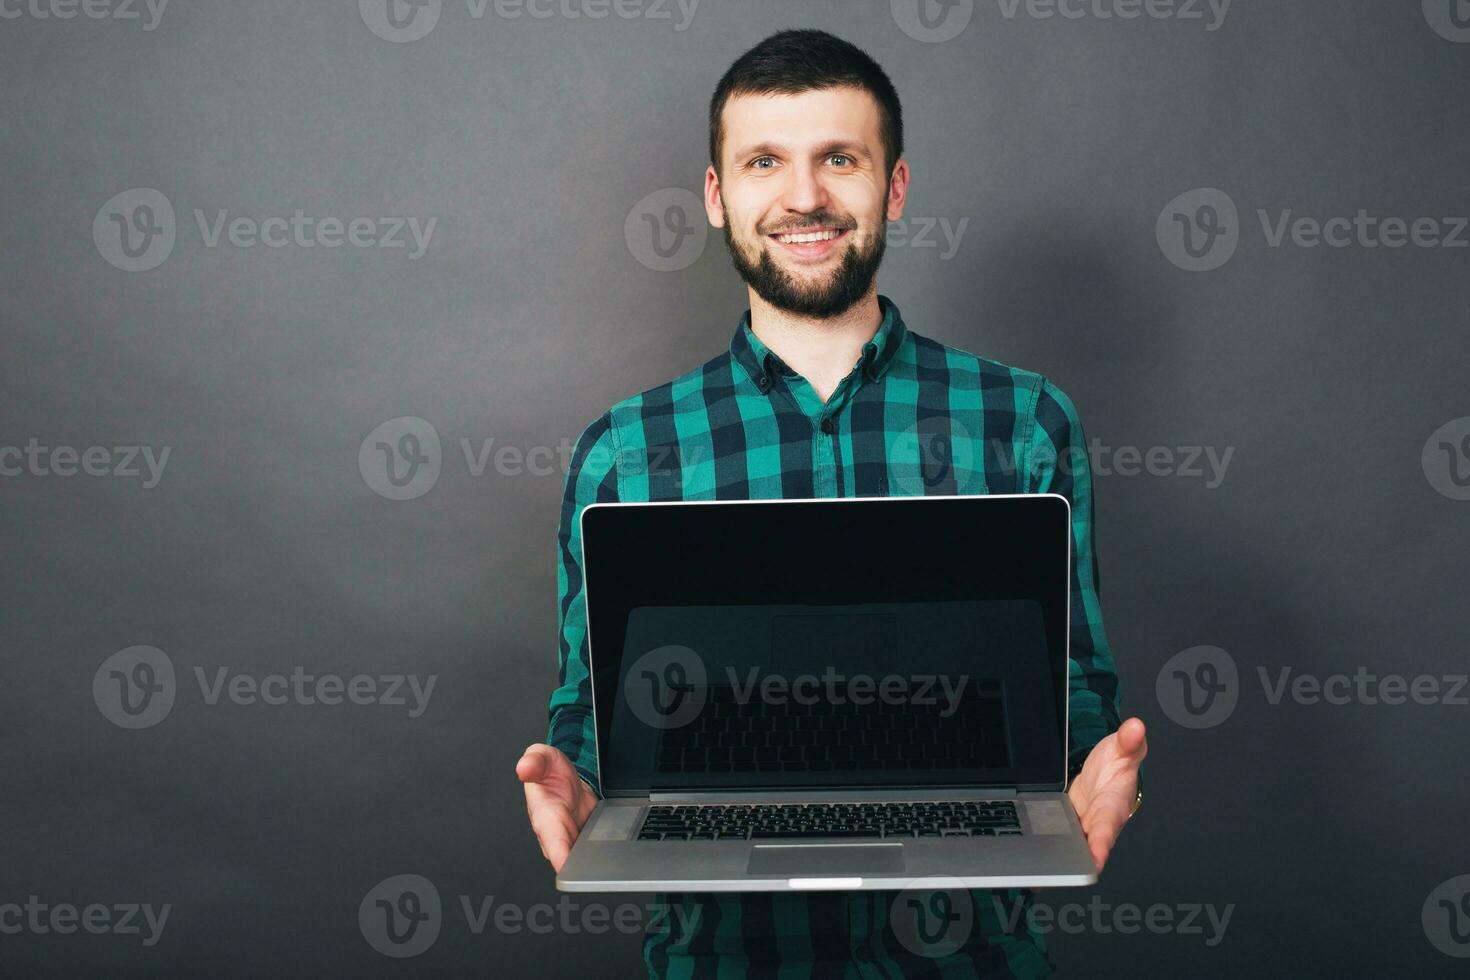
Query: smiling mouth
[811,243]
[811,235]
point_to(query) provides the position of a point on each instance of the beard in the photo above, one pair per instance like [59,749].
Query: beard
[833,294]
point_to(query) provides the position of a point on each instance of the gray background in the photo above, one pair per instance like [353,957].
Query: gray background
[264,547]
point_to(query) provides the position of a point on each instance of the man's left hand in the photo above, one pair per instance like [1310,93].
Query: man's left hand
[1104,791]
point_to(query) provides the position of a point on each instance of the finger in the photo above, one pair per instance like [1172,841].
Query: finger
[555,832]
[537,795]
[531,767]
[584,801]
[1100,840]
[541,761]
[1133,740]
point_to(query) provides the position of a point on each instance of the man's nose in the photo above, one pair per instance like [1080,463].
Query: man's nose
[804,191]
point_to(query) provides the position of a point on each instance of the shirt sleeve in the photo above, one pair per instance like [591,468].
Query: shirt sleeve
[591,477]
[1057,462]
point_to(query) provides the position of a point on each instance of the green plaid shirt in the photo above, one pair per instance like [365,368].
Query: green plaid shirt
[914,416]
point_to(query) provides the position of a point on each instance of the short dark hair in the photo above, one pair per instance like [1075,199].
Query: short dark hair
[792,62]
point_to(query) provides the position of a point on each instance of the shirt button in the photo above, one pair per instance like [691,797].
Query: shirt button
[828,426]
[763,382]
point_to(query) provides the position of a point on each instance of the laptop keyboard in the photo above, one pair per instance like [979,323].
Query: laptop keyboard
[968,818]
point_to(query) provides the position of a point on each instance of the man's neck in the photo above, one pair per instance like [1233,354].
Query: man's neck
[822,351]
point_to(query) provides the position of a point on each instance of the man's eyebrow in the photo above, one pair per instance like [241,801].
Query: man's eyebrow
[775,149]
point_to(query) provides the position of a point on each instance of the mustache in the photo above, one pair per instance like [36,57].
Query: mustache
[834,224]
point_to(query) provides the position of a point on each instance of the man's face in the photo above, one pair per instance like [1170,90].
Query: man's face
[810,166]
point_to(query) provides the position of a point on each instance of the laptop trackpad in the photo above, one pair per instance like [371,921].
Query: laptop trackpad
[825,860]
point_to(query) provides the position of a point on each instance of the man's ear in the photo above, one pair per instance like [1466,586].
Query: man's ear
[898,190]
[714,207]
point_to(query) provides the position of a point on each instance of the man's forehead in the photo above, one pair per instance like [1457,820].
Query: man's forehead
[815,116]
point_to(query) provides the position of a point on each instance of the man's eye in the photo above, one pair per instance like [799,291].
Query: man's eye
[756,163]
[842,157]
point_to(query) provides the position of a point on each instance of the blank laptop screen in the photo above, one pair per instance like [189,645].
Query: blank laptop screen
[874,642]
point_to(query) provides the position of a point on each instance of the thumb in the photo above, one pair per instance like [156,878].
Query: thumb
[539,762]
[1132,739]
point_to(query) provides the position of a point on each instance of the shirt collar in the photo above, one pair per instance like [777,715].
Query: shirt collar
[760,362]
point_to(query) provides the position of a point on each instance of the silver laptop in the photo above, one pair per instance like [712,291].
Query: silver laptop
[850,693]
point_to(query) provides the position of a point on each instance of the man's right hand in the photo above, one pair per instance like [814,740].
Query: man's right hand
[557,800]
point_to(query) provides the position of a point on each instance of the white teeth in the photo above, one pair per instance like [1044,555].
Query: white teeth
[816,236]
